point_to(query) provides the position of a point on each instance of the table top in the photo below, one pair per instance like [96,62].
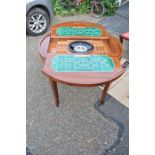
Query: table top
[97,67]
[82,78]
[47,45]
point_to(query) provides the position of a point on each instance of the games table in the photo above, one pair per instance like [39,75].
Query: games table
[80,54]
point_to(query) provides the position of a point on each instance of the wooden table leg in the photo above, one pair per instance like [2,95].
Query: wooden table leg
[55,91]
[104,92]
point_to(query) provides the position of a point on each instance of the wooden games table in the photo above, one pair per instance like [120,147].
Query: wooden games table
[56,44]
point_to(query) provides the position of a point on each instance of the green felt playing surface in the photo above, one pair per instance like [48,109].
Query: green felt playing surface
[82,63]
[72,31]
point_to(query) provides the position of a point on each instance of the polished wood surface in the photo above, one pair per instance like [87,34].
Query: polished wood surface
[52,44]
[100,47]
[104,93]
[43,46]
[55,91]
[82,78]
[106,44]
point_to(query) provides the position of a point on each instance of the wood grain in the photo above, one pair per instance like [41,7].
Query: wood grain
[52,44]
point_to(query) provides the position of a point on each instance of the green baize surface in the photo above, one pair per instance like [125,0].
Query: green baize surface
[82,63]
[73,31]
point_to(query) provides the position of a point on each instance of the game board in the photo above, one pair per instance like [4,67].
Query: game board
[74,31]
[82,63]
[68,58]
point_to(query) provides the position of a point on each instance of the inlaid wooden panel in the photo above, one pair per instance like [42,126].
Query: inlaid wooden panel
[100,46]
[105,44]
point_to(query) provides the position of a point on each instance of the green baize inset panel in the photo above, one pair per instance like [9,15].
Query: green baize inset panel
[73,31]
[82,63]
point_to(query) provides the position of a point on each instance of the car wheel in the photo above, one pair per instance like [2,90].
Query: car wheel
[37,21]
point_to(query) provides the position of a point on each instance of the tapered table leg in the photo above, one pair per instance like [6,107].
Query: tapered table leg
[104,92]
[55,91]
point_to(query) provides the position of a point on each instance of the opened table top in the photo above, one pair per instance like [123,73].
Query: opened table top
[82,71]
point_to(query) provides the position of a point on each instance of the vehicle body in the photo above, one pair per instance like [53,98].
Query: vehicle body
[39,14]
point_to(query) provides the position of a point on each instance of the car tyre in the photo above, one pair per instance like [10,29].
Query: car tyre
[37,22]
